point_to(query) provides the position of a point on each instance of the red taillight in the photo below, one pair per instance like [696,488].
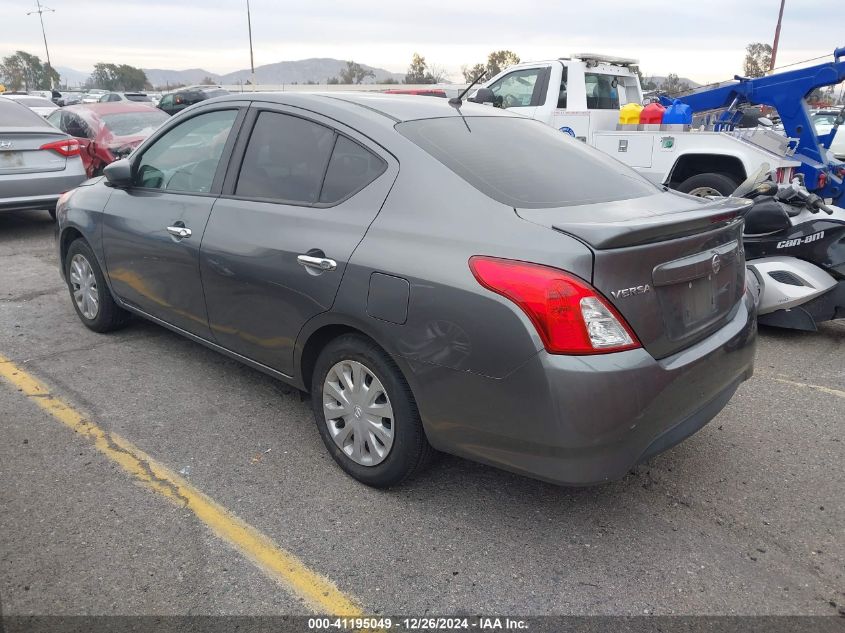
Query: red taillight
[571,317]
[65,147]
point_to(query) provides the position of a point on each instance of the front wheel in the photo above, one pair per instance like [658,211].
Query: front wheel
[709,184]
[366,413]
[89,292]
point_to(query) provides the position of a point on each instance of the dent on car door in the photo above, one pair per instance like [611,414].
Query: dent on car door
[277,245]
[153,229]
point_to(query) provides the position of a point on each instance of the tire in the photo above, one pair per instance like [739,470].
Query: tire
[108,316]
[408,452]
[717,184]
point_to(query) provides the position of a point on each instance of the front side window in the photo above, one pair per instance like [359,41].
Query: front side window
[602,91]
[56,119]
[166,101]
[285,159]
[516,89]
[185,159]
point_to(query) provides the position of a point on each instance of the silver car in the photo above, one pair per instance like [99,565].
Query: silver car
[456,278]
[38,163]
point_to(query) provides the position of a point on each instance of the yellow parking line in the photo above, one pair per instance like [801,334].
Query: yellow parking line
[319,592]
[828,390]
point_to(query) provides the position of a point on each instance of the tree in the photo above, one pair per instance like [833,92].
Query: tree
[23,70]
[672,84]
[207,81]
[354,73]
[499,60]
[758,58]
[471,72]
[389,80]
[437,74]
[418,71]
[117,77]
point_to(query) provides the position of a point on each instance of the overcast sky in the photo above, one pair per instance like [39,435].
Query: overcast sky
[703,40]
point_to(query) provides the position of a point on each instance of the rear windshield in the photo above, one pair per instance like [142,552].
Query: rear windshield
[143,98]
[16,115]
[524,163]
[134,123]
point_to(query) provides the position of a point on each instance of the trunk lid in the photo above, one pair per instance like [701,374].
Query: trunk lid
[672,265]
[20,151]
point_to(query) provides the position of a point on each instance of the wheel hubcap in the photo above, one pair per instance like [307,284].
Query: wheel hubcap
[358,413]
[703,192]
[84,287]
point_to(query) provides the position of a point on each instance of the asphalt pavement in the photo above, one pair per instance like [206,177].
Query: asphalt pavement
[744,518]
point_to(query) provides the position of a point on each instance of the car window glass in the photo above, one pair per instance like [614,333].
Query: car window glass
[15,114]
[134,123]
[186,157]
[561,98]
[285,159]
[351,168]
[56,119]
[542,167]
[166,100]
[75,126]
[602,92]
[516,88]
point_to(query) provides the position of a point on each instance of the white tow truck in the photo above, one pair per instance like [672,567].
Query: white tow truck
[582,96]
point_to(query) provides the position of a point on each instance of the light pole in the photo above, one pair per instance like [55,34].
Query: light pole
[251,62]
[40,11]
[777,36]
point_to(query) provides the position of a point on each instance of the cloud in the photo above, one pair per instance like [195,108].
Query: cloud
[702,43]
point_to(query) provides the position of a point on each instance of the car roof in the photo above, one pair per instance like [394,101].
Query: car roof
[393,108]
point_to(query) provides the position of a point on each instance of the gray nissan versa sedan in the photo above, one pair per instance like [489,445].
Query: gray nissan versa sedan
[437,277]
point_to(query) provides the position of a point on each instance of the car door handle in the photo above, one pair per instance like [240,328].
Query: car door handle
[179,231]
[320,263]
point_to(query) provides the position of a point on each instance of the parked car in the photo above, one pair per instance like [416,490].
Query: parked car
[107,131]
[39,105]
[456,278]
[69,98]
[37,162]
[177,101]
[93,95]
[139,97]
[824,121]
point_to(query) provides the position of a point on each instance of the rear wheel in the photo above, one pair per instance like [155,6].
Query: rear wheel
[709,184]
[89,292]
[366,413]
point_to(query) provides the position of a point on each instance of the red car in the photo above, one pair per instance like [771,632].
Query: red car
[107,131]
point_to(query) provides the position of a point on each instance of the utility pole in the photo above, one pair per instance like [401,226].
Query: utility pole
[251,62]
[777,36]
[40,11]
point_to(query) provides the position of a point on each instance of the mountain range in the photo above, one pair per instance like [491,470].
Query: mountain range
[317,70]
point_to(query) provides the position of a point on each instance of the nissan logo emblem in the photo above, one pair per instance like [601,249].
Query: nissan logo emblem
[716,263]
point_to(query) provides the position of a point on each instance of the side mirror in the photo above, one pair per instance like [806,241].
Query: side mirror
[119,173]
[483,95]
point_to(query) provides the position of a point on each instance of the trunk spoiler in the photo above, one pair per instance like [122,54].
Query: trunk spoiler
[656,228]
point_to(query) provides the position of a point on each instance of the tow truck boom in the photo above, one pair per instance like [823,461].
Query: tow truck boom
[786,92]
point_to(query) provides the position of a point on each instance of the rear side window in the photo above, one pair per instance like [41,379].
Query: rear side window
[602,91]
[285,159]
[351,168]
[525,163]
[16,115]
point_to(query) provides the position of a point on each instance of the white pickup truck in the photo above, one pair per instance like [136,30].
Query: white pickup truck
[582,95]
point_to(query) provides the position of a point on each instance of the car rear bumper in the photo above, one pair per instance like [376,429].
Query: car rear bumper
[39,190]
[583,420]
